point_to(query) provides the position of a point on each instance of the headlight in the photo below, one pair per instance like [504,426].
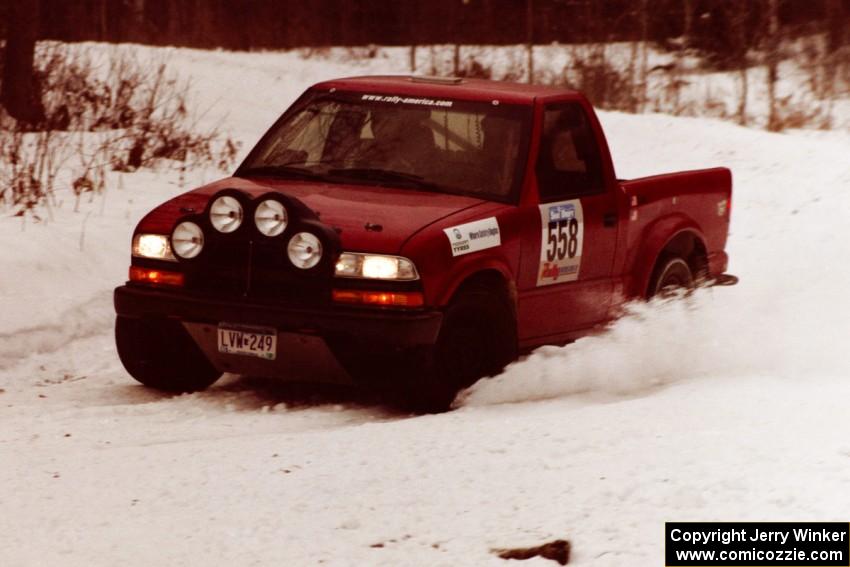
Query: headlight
[154,246]
[187,240]
[305,250]
[270,217]
[226,214]
[375,266]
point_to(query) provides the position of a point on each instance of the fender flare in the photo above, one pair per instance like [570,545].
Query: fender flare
[657,237]
[472,268]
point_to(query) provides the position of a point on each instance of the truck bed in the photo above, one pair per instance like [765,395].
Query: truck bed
[698,200]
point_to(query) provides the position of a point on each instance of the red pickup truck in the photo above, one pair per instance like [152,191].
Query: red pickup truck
[416,233]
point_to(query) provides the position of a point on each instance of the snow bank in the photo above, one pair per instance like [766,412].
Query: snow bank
[79,251]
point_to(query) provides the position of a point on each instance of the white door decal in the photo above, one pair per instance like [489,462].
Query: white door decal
[473,236]
[562,237]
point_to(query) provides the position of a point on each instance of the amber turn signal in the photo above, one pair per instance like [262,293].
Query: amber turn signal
[379,298]
[158,277]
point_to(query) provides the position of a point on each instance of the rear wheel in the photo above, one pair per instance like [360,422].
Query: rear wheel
[672,275]
[160,354]
[477,339]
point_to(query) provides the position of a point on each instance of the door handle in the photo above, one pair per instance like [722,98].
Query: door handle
[609,220]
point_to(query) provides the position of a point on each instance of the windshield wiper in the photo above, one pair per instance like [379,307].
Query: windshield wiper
[285,171]
[387,176]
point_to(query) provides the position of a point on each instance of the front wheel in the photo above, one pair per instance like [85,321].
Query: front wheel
[671,275]
[477,339]
[160,354]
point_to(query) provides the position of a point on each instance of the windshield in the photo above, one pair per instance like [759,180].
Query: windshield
[460,147]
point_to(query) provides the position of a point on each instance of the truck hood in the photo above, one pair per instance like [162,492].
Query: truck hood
[393,215]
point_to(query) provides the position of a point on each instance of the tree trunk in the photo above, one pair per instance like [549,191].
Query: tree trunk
[173,26]
[739,15]
[138,22]
[201,17]
[102,21]
[20,94]
[456,61]
[742,96]
[772,63]
[412,18]
[837,23]
[529,37]
[644,59]
[688,28]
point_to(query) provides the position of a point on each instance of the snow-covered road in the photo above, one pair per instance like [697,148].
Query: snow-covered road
[731,405]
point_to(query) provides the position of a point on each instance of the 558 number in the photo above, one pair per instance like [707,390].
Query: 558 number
[562,240]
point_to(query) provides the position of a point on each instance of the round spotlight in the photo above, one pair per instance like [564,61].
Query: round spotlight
[226,214]
[187,240]
[305,250]
[270,217]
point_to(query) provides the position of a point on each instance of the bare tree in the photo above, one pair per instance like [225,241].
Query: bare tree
[688,29]
[100,15]
[138,22]
[772,63]
[20,93]
[412,15]
[836,24]
[529,37]
[174,23]
[740,39]
[644,58]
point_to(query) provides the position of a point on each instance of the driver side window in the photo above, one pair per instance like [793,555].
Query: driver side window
[569,164]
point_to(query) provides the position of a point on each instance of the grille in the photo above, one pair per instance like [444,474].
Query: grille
[260,270]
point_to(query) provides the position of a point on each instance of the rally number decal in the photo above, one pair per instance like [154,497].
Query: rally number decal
[561,242]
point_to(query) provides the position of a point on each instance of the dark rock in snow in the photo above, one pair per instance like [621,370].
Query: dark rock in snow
[558,550]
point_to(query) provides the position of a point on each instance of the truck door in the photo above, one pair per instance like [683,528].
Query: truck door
[566,281]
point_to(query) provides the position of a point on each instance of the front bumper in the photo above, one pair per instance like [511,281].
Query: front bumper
[314,344]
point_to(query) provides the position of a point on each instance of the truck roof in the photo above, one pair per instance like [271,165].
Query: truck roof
[448,87]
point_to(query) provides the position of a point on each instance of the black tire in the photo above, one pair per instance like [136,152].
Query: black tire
[477,339]
[160,354]
[671,275]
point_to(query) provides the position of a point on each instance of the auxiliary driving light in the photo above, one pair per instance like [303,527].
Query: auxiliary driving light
[270,217]
[305,250]
[226,214]
[187,240]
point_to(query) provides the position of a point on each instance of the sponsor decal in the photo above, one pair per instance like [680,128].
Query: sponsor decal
[554,271]
[474,236]
[722,205]
[393,99]
[561,242]
[562,212]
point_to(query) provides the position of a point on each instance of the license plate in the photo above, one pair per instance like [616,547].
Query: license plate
[250,341]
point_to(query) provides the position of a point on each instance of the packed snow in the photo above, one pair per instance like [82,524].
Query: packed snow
[726,405]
